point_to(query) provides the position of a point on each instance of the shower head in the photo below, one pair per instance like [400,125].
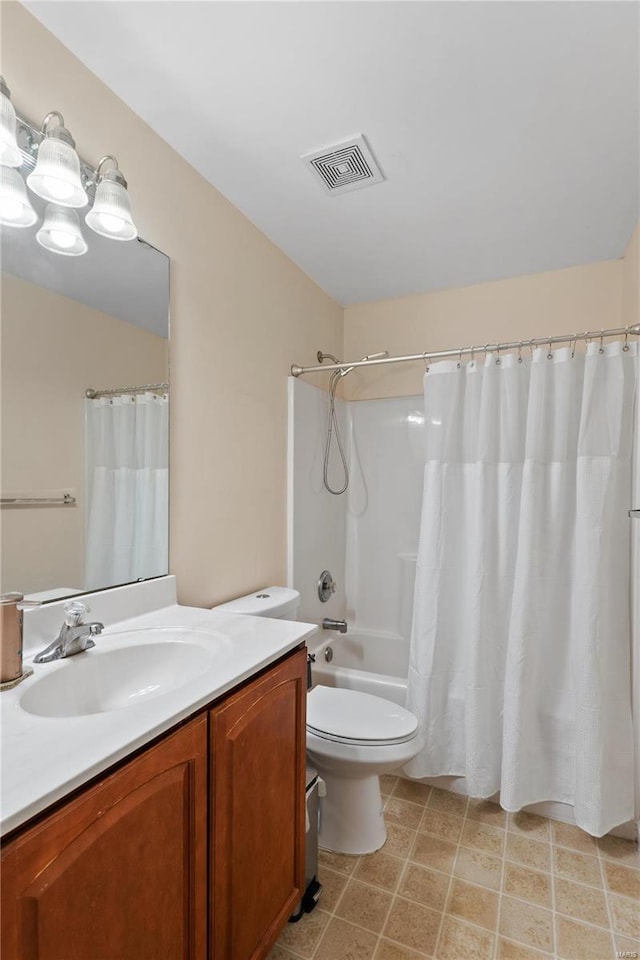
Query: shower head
[370,356]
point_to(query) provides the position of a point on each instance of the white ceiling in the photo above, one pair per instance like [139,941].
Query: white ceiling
[507,132]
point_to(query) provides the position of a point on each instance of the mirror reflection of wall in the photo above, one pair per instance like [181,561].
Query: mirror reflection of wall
[69,324]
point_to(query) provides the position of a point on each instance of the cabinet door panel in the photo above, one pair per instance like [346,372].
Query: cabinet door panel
[258,758]
[120,871]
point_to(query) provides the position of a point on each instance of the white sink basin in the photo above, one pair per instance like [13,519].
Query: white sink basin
[145,664]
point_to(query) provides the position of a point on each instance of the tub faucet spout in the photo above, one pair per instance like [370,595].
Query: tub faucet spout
[339,625]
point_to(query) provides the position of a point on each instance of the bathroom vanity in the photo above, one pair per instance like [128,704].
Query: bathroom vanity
[190,846]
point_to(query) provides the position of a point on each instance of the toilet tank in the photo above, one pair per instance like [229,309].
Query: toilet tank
[280,603]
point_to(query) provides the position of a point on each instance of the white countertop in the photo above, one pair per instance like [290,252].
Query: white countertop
[44,758]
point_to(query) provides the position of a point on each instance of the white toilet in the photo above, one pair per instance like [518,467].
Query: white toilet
[352,738]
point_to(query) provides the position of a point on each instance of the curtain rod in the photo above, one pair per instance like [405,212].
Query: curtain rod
[297,371]
[91,394]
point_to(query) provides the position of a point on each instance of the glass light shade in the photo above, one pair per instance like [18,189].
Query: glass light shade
[56,176]
[15,207]
[60,232]
[10,155]
[110,215]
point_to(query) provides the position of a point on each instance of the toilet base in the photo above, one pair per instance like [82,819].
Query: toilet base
[351,819]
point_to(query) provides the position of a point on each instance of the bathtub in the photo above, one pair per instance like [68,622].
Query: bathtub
[368,661]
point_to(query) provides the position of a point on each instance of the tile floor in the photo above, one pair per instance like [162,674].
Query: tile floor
[462,880]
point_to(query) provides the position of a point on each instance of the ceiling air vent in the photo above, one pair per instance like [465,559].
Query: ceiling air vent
[344,166]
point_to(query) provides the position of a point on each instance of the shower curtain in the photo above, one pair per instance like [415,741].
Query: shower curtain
[127,489]
[520,670]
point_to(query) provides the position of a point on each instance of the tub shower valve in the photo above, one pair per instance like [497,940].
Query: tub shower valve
[326,586]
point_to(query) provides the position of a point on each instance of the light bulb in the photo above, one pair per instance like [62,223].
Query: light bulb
[15,209]
[10,209]
[63,240]
[60,232]
[111,223]
[57,188]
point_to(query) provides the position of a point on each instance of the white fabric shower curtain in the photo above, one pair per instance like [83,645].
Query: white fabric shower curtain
[127,489]
[520,652]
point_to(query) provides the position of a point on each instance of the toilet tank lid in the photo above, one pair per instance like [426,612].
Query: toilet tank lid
[268,602]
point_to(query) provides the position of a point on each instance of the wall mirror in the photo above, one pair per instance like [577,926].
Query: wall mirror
[84,481]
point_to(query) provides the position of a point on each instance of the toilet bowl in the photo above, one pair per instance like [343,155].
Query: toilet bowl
[352,738]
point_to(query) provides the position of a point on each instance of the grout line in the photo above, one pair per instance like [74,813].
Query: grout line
[445,910]
[603,878]
[500,894]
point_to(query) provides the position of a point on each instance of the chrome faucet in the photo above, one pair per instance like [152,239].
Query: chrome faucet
[74,637]
[339,625]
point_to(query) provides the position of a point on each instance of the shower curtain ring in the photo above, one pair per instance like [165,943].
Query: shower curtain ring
[498,358]
[520,352]
[575,343]
[427,361]
[473,355]
[626,340]
[550,354]
[601,349]
[460,358]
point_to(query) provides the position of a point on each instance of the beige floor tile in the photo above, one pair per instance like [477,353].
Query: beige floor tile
[433,852]
[395,951]
[426,886]
[529,825]
[333,885]
[626,945]
[379,869]
[577,941]
[527,884]
[279,953]
[483,837]
[399,840]
[387,783]
[412,790]
[344,941]
[526,923]
[447,802]
[623,880]
[576,866]
[475,904]
[568,835]
[458,940]
[403,812]
[441,825]
[413,925]
[302,937]
[622,851]
[478,867]
[625,915]
[341,862]
[367,906]
[530,853]
[581,902]
[486,811]
[508,950]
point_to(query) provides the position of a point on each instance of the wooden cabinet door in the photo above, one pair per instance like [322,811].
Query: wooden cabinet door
[119,872]
[258,825]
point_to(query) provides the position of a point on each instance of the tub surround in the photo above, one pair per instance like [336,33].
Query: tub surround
[45,758]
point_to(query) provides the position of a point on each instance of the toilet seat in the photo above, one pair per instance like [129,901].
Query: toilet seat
[352,717]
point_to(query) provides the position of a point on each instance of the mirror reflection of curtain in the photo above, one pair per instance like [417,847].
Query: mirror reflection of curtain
[127,488]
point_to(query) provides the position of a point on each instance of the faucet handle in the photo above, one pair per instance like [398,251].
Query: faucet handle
[74,612]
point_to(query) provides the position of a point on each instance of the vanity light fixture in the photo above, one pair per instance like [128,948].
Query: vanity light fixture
[10,155]
[56,176]
[60,232]
[15,206]
[110,215]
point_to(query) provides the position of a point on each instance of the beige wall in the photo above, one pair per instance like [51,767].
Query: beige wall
[597,295]
[53,348]
[241,314]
